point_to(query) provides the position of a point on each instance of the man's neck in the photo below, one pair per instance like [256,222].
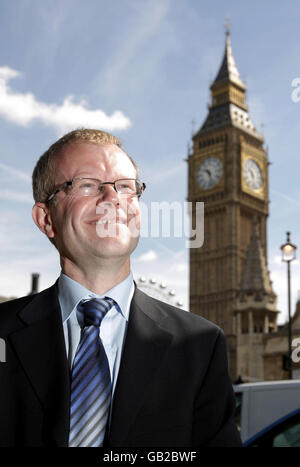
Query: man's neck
[98,280]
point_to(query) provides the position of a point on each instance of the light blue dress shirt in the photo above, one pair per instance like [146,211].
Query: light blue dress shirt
[113,326]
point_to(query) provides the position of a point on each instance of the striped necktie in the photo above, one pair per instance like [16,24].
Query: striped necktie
[91,382]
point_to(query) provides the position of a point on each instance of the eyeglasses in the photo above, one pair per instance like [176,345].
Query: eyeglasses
[125,187]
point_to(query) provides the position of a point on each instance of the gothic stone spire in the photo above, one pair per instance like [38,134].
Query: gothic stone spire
[255,281]
[228,93]
[228,71]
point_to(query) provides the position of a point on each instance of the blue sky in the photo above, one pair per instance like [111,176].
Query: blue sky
[142,69]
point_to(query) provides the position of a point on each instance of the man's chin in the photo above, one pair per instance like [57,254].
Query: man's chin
[121,246]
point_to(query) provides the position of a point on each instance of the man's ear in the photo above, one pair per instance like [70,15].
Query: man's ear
[42,217]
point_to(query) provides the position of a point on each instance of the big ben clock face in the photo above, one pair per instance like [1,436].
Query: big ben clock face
[209,173]
[252,174]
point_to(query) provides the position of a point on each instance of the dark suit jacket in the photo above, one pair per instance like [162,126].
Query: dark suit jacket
[172,390]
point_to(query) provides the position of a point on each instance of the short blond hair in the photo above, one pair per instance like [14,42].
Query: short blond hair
[43,176]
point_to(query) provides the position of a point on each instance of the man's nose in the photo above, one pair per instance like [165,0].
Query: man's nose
[109,194]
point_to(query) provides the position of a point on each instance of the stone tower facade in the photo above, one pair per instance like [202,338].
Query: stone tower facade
[256,313]
[228,171]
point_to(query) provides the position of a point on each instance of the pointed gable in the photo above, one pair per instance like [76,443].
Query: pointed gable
[228,70]
[255,276]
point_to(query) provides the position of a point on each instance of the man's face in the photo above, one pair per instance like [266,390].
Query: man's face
[80,229]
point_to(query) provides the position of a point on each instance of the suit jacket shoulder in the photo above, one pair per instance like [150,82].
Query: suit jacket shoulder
[25,309]
[173,318]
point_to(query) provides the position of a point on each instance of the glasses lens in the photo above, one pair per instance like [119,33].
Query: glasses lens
[126,187]
[93,187]
[85,187]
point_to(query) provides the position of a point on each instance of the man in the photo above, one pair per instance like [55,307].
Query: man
[93,361]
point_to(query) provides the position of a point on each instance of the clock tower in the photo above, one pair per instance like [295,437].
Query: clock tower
[228,171]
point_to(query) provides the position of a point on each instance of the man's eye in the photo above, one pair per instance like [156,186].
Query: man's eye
[126,186]
[87,185]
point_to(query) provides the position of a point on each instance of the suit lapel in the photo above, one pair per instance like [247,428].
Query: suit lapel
[40,348]
[145,346]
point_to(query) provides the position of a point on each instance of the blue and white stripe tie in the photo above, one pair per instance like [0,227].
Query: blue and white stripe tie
[91,382]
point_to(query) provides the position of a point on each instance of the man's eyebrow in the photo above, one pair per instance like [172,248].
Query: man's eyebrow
[86,175]
[118,177]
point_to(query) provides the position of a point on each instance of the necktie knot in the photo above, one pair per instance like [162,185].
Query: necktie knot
[95,309]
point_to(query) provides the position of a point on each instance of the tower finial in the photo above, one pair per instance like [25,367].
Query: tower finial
[227,26]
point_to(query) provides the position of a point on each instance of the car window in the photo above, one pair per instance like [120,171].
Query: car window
[289,436]
[285,434]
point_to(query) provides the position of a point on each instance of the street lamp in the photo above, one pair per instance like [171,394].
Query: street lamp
[288,255]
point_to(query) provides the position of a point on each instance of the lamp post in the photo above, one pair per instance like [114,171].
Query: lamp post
[288,255]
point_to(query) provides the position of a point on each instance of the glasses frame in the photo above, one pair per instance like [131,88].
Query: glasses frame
[70,182]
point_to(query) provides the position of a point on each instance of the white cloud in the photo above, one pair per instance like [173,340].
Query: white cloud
[150,255]
[23,109]
[7,174]
[276,259]
[23,197]
[284,196]
[165,173]
[181,267]
[16,273]
[15,172]
[151,16]
[22,247]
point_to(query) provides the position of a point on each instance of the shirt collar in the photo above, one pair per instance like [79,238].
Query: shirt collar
[70,293]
